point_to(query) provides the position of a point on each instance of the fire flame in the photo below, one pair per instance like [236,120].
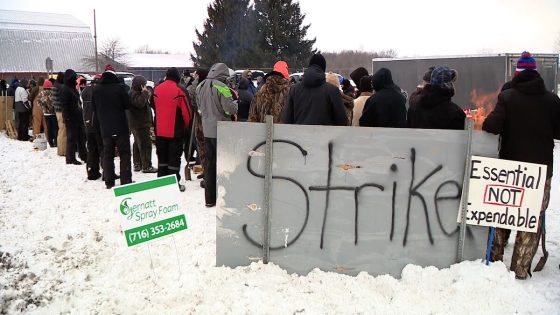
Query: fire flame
[485,103]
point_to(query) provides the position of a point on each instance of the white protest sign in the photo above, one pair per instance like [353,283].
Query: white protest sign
[150,209]
[505,194]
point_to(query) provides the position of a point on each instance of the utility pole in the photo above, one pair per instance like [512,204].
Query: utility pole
[95,39]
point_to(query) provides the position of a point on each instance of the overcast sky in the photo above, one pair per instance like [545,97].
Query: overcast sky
[412,28]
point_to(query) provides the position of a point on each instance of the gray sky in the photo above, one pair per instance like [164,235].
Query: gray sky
[412,28]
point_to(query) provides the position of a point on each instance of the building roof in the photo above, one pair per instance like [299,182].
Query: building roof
[28,38]
[158,61]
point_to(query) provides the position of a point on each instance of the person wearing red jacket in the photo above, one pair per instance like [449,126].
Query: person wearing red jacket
[173,115]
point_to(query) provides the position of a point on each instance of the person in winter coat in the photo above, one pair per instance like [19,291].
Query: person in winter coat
[73,119]
[45,102]
[313,101]
[23,110]
[527,118]
[61,136]
[199,76]
[109,103]
[365,90]
[215,103]
[173,116]
[347,100]
[435,110]
[386,108]
[140,121]
[245,99]
[93,135]
[39,122]
[414,98]
[357,76]
[347,88]
[272,96]
[247,74]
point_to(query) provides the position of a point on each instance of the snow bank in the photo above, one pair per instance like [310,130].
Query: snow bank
[62,250]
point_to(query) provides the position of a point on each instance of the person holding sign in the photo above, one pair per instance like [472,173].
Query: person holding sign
[527,117]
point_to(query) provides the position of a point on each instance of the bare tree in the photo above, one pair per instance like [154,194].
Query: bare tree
[111,51]
[114,50]
[146,49]
[557,44]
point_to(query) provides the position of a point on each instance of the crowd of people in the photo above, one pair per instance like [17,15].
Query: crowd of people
[96,120]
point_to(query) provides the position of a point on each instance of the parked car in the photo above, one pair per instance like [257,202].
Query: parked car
[298,76]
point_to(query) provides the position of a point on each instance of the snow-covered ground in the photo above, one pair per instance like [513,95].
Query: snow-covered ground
[61,251]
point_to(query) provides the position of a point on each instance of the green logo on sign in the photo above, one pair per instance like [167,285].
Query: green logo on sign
[125,210]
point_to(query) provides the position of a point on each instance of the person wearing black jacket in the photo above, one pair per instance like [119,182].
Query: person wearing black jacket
[140,121]
[109,103]
[93,136]
[312,101]
[73,119]
[434,109]
[385,108]
[245,98]
[527,117]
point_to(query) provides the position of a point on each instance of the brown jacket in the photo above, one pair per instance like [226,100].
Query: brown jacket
[270,99]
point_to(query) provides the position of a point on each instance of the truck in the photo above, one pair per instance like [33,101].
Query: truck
[480,77]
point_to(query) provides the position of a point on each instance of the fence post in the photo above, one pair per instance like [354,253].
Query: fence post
[469,124]
[268,187]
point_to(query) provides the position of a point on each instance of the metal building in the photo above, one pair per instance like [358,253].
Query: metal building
[27,39]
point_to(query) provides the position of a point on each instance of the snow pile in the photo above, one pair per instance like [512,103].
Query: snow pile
[62,250]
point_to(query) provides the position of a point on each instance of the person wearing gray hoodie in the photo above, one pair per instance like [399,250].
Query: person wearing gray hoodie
[215,103]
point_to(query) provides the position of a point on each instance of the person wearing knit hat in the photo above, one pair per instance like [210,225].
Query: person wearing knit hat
[314,102]
[45,101]
[526,117]
[272,96]
[414,98]
[319,61]
[357,75]
[431,106]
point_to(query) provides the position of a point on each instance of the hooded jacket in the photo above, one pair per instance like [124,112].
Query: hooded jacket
[386,108]
[56,92]
[87,95]
[214,99]
[435,110]
[314,102]
[245,98]
[173,110]
[109,102]
[270,99]
[69,99]
[139,113]
[527,116]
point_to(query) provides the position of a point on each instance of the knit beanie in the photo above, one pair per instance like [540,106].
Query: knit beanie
[47,85]
[526,62]
[282,67]
[443,77]
[318,60]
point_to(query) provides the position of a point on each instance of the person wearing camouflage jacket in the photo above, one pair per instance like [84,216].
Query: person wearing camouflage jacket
[270,99]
